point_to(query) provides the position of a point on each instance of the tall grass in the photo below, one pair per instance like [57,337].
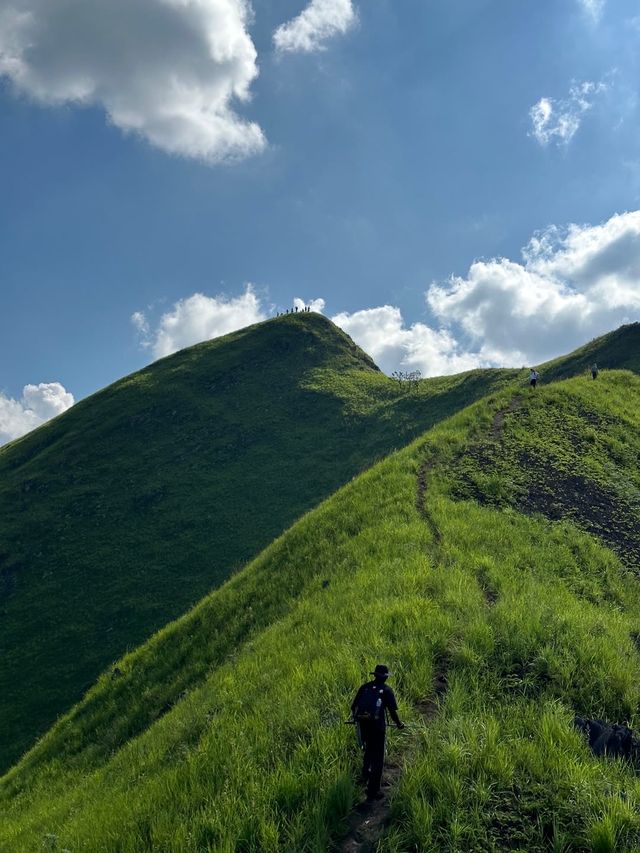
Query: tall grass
[532,620]
[120,515]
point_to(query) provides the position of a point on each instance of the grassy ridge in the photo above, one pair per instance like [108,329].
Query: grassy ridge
[121,514]
[619,350]
[585,467]
[532,619]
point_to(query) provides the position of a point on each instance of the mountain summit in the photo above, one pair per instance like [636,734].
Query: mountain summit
[492,564]
[120,514]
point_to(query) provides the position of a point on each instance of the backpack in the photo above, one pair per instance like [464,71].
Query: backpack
[370,703]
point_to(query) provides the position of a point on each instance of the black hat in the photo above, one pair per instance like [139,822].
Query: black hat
[380,670]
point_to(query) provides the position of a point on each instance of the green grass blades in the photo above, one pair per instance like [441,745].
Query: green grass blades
[530,618]
[617,350]
[121,514]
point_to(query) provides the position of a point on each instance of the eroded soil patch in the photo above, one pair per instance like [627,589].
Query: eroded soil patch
[557,495]
[553,480]
[497,425]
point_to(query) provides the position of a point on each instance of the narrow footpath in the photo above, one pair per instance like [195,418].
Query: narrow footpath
[369,820]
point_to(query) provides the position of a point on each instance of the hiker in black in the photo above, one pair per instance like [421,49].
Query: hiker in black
[369,710]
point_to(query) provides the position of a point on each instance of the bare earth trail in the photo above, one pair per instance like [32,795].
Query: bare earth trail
[368,820]
[421,504]
[558,492]
[497,425]
[497,429]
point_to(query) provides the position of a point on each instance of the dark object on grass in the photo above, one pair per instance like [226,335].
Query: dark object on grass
[325,584]
[369,711]
[116,672]
[611,739]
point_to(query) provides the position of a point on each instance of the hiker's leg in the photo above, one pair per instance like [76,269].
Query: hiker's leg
[366,758]
[366,764]
[377,762]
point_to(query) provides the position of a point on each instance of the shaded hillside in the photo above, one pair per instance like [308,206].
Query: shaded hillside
[528,621]
[618,350]
[122,513]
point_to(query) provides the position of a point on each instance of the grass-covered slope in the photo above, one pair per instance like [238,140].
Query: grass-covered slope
[432,567]
[619,350]
[122,513]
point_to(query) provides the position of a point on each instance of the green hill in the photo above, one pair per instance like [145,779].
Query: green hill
[619,350]
[455,561]
[122,513]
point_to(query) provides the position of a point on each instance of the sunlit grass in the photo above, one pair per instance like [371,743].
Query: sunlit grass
[532,620]
[123,513]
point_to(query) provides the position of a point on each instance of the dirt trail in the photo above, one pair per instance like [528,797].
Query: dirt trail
[497,430]
[497,425]
[421,501]
[369,820]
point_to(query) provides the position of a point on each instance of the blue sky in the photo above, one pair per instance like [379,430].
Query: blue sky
[392,159]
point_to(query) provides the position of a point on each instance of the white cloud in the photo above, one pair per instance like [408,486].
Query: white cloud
[199,318]
[168,70]
[39,403]
[572,286]
[382,333]
[559,121]
[319,21]
[315,304]
[139,320]
[550,124]
[593,8]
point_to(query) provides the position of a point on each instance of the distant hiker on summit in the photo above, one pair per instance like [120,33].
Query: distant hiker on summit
[369,712]
[533,377]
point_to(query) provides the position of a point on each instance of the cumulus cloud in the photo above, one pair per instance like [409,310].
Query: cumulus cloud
[318,22]
[383,334]
[559,121]
[571,286]
[315,304]
[198,318]
[39,403]
[168,70]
